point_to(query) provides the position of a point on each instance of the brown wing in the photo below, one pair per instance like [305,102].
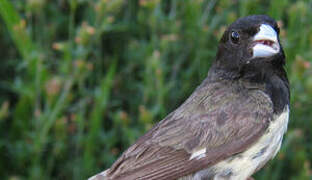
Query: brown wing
[216,117]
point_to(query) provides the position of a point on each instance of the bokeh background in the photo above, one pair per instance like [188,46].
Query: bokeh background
[81,80]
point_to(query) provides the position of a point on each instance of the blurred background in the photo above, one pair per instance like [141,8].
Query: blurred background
[81,80]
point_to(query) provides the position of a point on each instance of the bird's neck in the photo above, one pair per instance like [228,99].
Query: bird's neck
[267,77]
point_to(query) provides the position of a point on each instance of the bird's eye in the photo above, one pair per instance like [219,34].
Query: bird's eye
[235,37]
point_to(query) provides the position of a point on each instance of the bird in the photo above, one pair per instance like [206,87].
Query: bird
[231,125]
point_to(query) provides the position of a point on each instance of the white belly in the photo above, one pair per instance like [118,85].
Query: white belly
[246,163]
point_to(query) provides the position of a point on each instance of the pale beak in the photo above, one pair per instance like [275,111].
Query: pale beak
[265,42]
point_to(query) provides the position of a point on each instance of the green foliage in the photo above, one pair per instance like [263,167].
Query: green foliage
[82,80]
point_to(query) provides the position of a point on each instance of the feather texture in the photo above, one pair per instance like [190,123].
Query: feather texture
[217,116]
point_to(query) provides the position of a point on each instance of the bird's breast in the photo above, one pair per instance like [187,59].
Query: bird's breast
[243,165]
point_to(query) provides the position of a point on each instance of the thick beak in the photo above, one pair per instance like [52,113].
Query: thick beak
[265,42]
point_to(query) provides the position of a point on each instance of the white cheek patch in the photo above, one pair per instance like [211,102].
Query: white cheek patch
[198,154]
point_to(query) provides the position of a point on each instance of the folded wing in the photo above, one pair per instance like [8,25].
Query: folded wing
[214,123]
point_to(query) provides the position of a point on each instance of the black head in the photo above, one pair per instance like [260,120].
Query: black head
[250,52]
[250,41]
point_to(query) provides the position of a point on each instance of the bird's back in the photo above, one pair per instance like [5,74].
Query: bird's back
[168,150]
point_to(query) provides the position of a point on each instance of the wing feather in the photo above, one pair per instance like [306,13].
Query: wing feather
[217,116]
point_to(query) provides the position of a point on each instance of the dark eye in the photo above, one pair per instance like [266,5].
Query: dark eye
[234,37]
